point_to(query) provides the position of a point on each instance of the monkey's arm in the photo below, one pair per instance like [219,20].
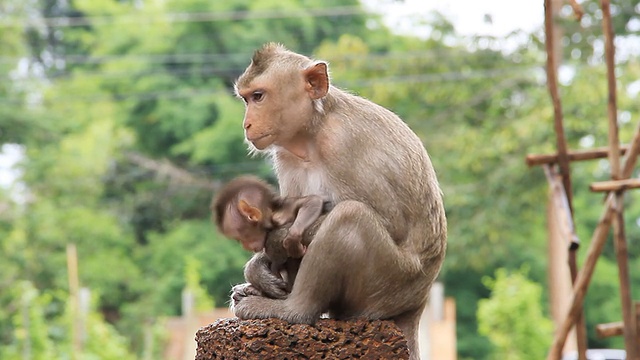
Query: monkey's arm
[306,209]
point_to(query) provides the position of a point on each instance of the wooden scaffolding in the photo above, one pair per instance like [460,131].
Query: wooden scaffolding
[564,242]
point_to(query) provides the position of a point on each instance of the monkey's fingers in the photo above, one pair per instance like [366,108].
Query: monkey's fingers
[241,291]
[293,244]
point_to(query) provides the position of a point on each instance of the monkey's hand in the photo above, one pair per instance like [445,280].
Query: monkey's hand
[293,244]
[258,273]
[280,218]
[240,292]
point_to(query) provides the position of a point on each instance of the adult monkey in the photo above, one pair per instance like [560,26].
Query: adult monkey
[379,250]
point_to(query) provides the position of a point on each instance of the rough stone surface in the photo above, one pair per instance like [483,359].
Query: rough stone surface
[277,339]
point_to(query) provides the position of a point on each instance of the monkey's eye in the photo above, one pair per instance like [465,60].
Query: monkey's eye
[257,96]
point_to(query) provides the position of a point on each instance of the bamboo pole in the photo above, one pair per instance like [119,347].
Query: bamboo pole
[552,84]
[614,143]
[615,185]
[609,329]
[620,241]
[562,206]
[582,281]
[632,155]
[554,53]
[620,245]
[577,9]
[638,327]
[560,292]
[573,155]
[595,248]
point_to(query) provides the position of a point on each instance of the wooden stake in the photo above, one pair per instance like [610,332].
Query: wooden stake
[577,9]
[551,36]
[620,244]
[562,207]
[615,185]
[620,241]
[614,143]
[74,284]
[638,327]
[595,248]
[573,155]
[582,281]
[567,228]
[609,329]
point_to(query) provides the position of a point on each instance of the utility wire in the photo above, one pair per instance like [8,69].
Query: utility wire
[406,79]
[213,57]
[194,69]
[140,17]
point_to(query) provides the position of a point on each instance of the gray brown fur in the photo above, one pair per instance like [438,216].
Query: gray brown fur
[270,203]
[382,246]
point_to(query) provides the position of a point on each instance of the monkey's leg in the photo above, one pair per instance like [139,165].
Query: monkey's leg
[409,323]
[257,272]
[353,268]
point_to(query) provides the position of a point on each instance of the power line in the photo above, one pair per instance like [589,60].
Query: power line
[370,62]
[140,17]
[405,79]
[181,73]
[212,57]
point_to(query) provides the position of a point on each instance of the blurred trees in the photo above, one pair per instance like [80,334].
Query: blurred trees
[128,123]
[512,317]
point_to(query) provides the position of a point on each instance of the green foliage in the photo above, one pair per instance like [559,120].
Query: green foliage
[128,121]
[102,341]
[512,317]
[30,326]
[221,260]
[42,326]
[202,300]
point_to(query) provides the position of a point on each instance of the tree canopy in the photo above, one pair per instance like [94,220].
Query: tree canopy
[125,117]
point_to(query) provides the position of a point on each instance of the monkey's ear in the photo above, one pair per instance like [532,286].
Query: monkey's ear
[317,77]
[252,213]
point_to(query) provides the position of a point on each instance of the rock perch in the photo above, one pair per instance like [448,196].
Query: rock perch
[277,339]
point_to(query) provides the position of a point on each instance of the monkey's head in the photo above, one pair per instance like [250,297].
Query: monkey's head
[247,224]
[281,90]
[242,210]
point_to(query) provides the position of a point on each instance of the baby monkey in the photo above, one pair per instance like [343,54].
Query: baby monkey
[247,208]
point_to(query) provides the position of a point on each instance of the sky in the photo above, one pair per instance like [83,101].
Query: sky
[468,16]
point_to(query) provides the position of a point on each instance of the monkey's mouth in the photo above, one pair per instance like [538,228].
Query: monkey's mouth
[261,141]
[254,139]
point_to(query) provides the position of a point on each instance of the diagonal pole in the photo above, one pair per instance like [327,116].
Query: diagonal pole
[620,241]
[595,249]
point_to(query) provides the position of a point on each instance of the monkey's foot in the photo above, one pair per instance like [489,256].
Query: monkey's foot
[259,307]
[241,306]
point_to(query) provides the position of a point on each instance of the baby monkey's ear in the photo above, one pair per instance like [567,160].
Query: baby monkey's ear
[252,213]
